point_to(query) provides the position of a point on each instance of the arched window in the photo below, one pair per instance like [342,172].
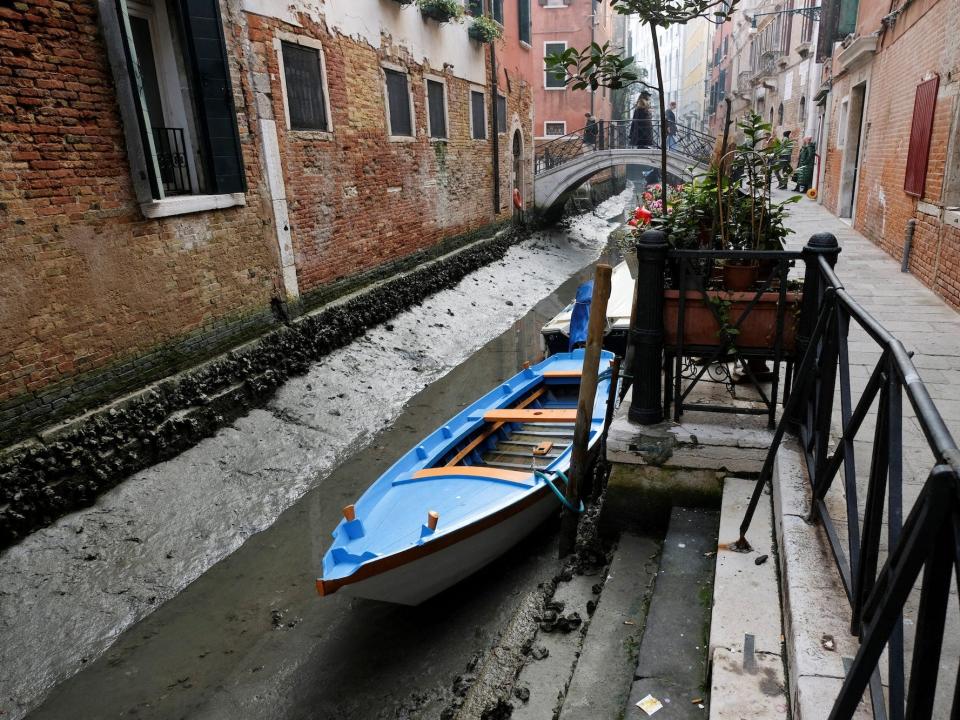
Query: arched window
[780,114]
[803,110]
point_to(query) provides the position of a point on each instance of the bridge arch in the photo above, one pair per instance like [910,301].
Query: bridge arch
[562,164]
[555,185]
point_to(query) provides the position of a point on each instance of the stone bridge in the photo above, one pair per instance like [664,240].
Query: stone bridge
[561,165]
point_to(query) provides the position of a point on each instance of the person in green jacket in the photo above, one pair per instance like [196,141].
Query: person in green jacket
[804,174]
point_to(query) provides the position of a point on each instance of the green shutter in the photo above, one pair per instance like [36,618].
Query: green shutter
[140,100]
[218,117]
[848,17]
[523,9]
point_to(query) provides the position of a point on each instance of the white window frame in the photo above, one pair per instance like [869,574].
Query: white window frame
[386,103]
[486,119]
[554,122]
[313,43]
[842,121]
[446,106]
[546,72]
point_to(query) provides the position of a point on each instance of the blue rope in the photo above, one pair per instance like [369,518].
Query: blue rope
[566,503]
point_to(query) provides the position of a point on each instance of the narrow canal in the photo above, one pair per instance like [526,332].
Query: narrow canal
[251,638]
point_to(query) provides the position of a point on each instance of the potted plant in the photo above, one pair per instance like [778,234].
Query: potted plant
[748,218]
[484,30]
[441,10]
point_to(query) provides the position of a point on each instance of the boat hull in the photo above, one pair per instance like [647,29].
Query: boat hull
[429,573]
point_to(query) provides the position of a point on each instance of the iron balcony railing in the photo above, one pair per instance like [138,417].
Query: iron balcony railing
[173,160]
[606,135]
[929,539]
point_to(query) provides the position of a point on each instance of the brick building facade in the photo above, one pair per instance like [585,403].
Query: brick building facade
[130,253]
[890,107]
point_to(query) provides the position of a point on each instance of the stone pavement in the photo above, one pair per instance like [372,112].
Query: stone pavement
[929,328]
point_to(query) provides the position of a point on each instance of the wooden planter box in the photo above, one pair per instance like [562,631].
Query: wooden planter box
[757,332]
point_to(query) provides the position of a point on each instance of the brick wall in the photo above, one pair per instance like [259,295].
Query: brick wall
[919,45]
[95,300]
[86,280]
[356,199]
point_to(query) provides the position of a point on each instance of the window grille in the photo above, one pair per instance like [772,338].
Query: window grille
[304,83]
[478,115]
[398,101]
[436,110]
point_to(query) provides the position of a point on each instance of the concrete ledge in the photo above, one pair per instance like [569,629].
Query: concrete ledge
[657,467]
[816,612]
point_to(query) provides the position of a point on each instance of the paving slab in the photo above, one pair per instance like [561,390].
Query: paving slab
[752,689]
[601,682]
[673,653]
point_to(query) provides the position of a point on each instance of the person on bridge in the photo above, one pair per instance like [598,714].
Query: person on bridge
[641,126]
[672,126]
[590,131]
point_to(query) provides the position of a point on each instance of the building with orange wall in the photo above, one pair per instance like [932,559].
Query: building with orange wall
[558,25]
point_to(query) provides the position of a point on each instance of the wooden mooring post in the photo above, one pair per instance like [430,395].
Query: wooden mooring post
[588,393]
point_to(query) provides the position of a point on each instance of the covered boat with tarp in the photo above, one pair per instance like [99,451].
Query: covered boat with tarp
[469,492]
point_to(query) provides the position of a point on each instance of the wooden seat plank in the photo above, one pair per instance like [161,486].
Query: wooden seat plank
[531,416]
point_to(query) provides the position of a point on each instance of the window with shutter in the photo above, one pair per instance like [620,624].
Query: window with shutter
[436,109]
[496,9]
[398,104]
[176,65]
[203,30]
[523,13]
[478,116]
[554,80]
[475,7]
[919,153]
[303,78]
[501,114]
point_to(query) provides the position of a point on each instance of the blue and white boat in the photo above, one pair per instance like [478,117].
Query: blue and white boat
[469,492]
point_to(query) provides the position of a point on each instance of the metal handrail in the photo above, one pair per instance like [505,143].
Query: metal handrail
[606,135]
[929,538]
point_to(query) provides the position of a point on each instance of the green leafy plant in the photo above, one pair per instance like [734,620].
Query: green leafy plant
[485,30]
[727,332]
[441,10]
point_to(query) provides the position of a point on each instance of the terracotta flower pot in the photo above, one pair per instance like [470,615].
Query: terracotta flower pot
[757,331]
[740,277]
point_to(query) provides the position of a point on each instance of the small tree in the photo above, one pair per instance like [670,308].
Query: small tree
[602,66]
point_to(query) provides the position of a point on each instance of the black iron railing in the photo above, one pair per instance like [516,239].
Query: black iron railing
[714,332]
[606,135]
[173,160]
[929,540]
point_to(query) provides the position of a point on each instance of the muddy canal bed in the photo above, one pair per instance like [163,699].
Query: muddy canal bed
[241,521]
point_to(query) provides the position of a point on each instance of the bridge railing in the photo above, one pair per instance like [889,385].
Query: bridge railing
[605,135]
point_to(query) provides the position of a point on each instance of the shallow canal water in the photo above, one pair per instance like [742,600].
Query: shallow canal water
[252,639]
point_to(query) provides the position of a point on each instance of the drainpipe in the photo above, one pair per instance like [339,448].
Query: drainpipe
[908,244]
[496,132]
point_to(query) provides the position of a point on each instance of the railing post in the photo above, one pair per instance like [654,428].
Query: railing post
[820,244]
[646,334]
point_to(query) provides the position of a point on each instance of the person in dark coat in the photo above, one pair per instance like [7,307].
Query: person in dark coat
[804,173]
[590,131]
[641,127]
[672,126]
